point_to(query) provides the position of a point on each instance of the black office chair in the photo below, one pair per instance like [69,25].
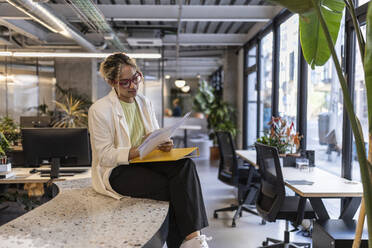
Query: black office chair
[272,203]
[240,175]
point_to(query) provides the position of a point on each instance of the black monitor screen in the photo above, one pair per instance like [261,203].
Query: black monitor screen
[69,145]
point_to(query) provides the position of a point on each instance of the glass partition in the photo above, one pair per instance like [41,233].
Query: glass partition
[25,84]
[266,61]
[361,2]
[360,105]
[325,113]
[288,58]
[251,88]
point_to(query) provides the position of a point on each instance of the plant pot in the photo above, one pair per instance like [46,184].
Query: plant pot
[199,115]
[289,160]
[214,153]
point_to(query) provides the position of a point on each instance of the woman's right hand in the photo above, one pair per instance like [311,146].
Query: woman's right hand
[133,153]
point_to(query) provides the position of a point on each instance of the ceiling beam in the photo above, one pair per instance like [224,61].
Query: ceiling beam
[7,11]
[25,28]
[205,40]
[221,13]
[195,54]
[5,42]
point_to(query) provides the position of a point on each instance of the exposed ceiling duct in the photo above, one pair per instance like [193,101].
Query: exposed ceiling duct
[94,18]
[45,16]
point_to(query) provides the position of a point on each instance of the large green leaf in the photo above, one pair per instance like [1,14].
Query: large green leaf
[313,41]
[367,182]
[368,65]
[295,6]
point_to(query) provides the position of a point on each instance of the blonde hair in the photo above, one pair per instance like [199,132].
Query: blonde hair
[110,68]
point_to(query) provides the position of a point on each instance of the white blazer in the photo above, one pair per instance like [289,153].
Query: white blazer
[110,138]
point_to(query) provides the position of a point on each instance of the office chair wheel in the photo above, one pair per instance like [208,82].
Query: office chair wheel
[233,224]
[215,215]
[265,243]
[263,222]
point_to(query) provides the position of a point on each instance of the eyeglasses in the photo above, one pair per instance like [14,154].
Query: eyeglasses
[136,79]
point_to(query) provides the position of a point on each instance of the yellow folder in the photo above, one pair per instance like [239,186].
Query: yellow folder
[173,155]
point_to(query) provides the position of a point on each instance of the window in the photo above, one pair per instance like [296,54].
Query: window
[266,61]
[325,114]
[288,57]
[360,105]
[24,85]
[251,125]
[361,2]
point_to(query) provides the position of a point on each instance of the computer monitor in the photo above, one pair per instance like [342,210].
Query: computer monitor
[58,146]
[35,121]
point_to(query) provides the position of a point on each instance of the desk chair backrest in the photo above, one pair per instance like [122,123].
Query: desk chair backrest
[227,171]
[272,192]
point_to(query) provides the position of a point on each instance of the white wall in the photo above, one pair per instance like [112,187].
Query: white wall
[152,90]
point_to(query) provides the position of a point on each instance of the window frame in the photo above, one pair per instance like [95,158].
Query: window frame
[348,67]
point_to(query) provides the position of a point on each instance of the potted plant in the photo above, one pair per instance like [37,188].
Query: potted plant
[10,130]
[220,114]
[319,24]
[221,118]
[284,137]
[72,113]
[203,99]
[4,145]
[4,149]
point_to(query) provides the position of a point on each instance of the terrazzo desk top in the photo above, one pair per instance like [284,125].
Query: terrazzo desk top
[79,217]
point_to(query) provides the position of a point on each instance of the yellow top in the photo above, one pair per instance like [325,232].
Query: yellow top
[134,121]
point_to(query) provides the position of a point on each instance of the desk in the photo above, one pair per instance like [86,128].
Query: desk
[188,127]
[80,217]
[23,175]
[326,185]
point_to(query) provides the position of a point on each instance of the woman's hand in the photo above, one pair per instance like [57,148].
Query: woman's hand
[133,153]
[166,147]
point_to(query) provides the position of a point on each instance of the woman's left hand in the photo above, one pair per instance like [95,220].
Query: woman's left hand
[166,147]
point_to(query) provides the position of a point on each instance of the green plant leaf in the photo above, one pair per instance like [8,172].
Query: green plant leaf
[367,182]
[313,40]
[368,65]
[295,6]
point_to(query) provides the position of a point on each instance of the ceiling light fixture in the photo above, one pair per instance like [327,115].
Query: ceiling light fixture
[6,54]
[185,89]
[167,76]
[180,83]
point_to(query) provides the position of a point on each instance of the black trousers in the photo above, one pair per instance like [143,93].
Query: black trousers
[176,182]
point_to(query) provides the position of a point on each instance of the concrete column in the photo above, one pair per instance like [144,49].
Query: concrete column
[239,99]
[230,69]
[233,87]
[79,74]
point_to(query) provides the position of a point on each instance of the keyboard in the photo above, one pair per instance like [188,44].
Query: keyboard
[63,170]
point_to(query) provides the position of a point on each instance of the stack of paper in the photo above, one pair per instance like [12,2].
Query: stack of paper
[4,175]
[159,136]
[6,171]
[5,167]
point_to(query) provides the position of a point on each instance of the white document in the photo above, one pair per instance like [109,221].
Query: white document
[159,136]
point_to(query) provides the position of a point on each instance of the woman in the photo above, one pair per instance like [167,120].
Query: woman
[118,123]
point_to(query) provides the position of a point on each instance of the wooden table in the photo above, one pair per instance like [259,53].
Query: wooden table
[23,175]
[325,185]
[34,183]
[188,127]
